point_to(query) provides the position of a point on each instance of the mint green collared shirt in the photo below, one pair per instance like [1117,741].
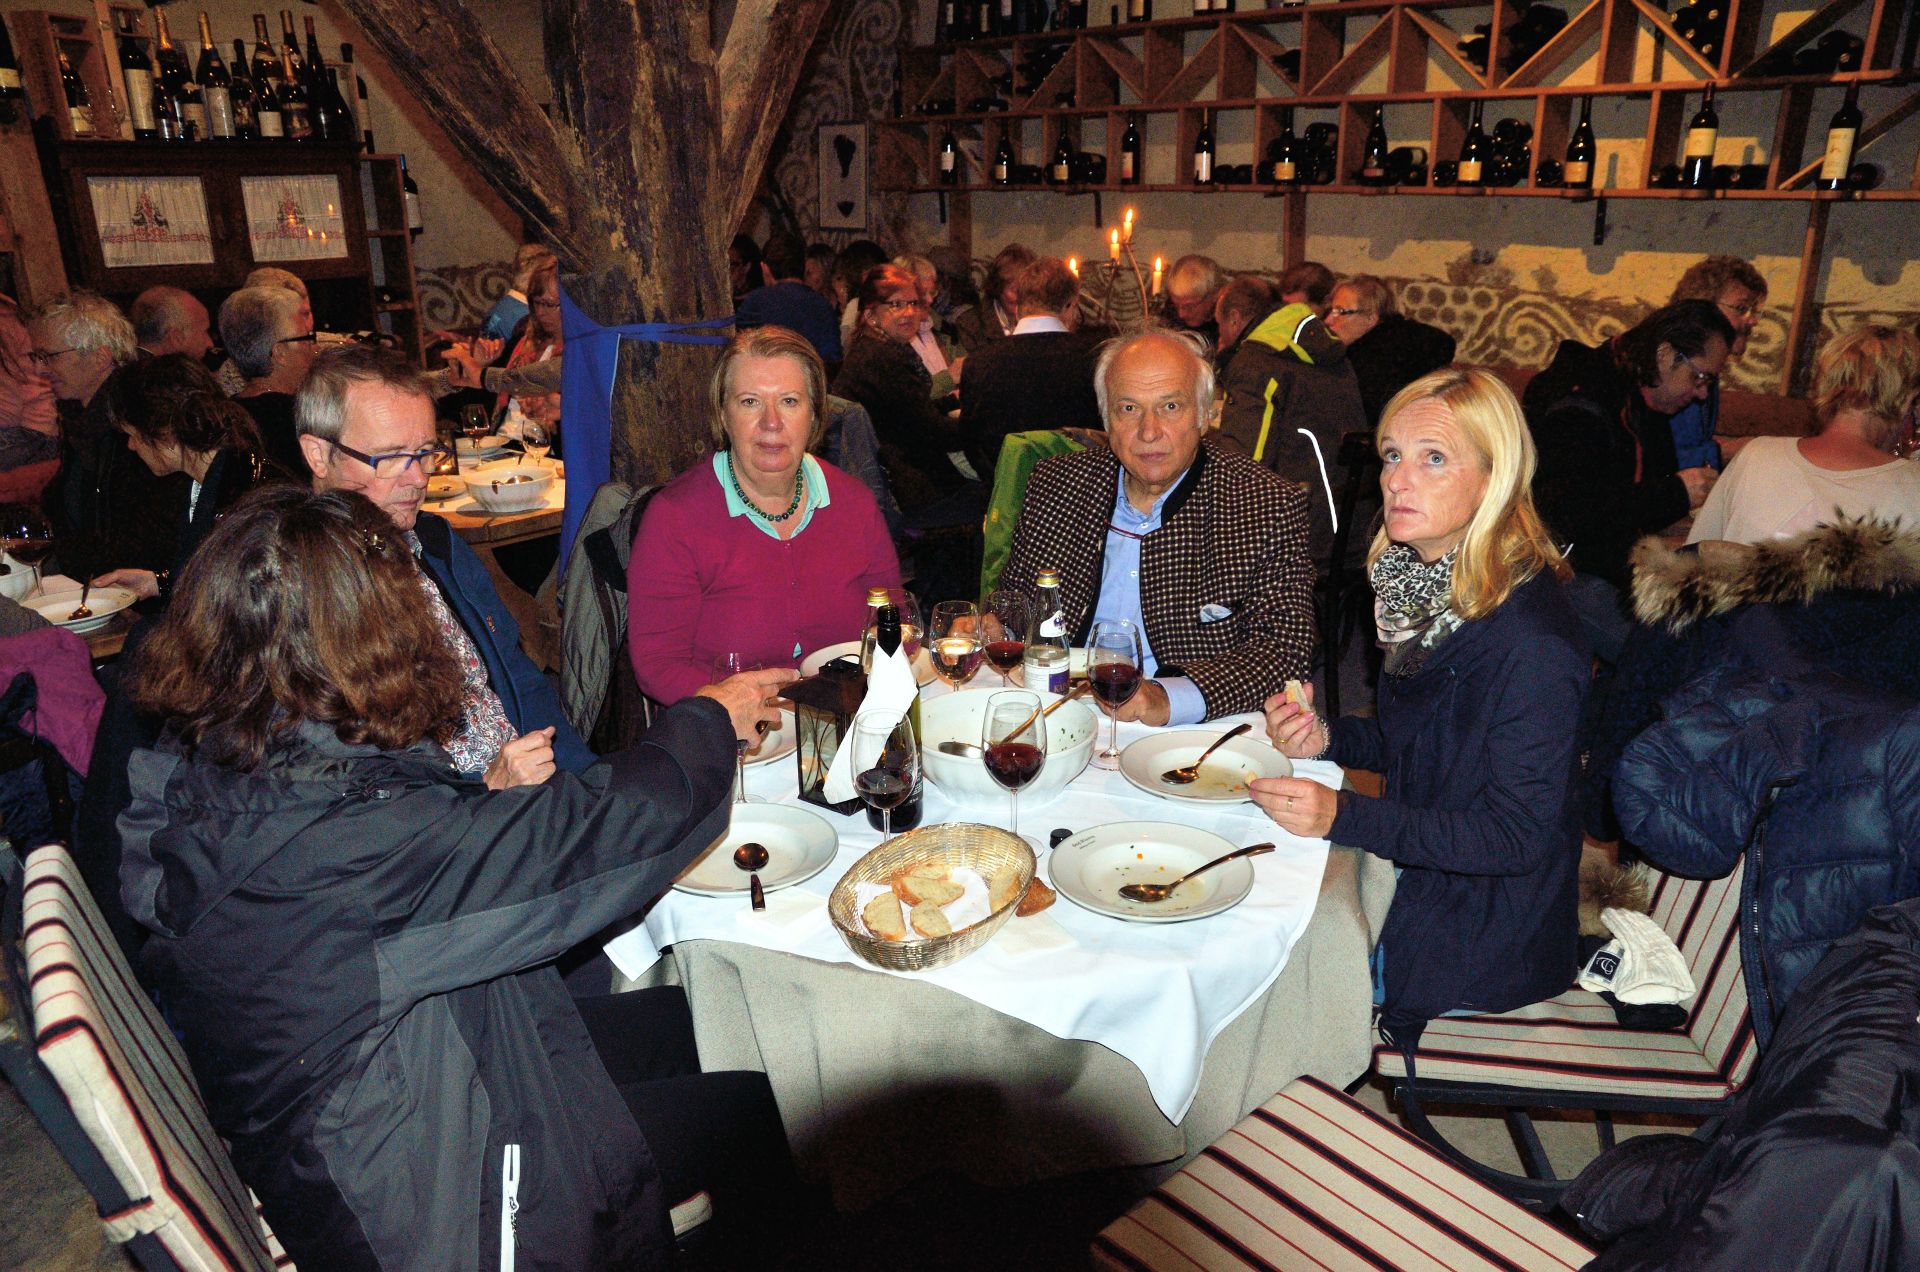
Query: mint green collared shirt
[817,496]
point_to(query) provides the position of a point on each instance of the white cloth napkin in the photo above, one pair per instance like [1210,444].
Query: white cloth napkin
[891,689]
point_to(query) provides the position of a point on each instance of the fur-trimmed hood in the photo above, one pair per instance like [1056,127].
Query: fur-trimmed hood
[1679,588]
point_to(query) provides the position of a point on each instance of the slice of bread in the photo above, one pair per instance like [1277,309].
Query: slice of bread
[1002,887]
[929,921]
[882,917]
[1039,897]
[1297,694]
[925,881]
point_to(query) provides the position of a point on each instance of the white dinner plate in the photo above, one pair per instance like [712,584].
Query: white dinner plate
[923,672]
[445,487]
[1224,778]
[777,744]
[1090,867]
[105,602]
[799,846]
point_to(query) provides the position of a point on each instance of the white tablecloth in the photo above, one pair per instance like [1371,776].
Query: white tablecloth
[1156,994]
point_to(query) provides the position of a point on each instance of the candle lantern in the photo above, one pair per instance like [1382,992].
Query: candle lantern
[824,705]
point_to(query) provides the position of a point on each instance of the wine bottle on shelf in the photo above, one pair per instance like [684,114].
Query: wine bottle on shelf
[948,31]
[1076,11]
[269,121]
[342,126]
[983,15]
[1373,159]
[362,109]
[328,112]
[240,94]
[1130,153]
[1578,174]
[216,86]
[343,83]
[1203,151]
[1286,153]
[949,159]
[79,104]
[1201,8]
[136,71]
[1473,153]
[1139,10]
[1060,171]
[168,126]
[411,193]
[171,66]
[1007,19]
[1003,161]
[12,87]
[1843,131]
[296,114]
[1703,132]
[291,64]
[266,63]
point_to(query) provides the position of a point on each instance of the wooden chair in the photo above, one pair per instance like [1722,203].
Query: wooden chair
[1312,1180]
[93,1060]
[1570,1052]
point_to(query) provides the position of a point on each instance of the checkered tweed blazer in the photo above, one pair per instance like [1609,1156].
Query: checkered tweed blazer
[1232,542]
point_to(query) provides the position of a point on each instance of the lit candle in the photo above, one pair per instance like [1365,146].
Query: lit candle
[1157,267]
[1073,263]
[1126,226]
[1113,245]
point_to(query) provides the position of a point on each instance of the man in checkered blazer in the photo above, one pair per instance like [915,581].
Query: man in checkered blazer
[1205,551]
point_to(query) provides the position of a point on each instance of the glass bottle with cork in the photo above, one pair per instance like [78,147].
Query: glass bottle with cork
[1045,666]
[886,643]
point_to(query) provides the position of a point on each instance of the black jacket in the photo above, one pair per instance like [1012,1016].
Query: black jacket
[108,509]
[273,415]
[1037,380]
[887,377]
[1817,1165]
[1393,355]
[1482,813]
[1814,778]
[1607,467]
[355,947]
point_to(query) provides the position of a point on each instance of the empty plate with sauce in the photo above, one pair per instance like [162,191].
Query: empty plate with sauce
[1223,778]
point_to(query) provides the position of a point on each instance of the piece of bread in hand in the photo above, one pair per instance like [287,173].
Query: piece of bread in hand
[928,921]
[1297,694]
[1039,897]
[925,881]
[882,917]
[1003,887]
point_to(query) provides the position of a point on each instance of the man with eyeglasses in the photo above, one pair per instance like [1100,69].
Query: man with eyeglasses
[366,424]
[268,332]
[1738,291]
[1608,473]
[107,507]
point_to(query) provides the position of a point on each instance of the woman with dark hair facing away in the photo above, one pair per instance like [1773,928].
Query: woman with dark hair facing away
[1474,728]
[177,420]
[355,942]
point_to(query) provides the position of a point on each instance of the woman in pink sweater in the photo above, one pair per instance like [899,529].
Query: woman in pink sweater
[763,551]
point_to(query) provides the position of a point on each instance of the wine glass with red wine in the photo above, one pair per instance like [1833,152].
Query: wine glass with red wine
[1014,737]
[1004,623]
[27,536]
[886,762]
[1113,669]
[953,640]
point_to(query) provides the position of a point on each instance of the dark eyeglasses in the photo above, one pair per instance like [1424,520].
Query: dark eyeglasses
[387,467]
[1701,379]
[901,306]
[309,337]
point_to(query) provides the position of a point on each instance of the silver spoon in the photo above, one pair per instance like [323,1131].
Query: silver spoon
[1161,891]
[1183,776]
[966,750]
[81,611]
[752,858]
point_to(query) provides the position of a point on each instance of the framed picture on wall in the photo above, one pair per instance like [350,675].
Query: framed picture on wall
[150,220]
[843,176]
[294,218]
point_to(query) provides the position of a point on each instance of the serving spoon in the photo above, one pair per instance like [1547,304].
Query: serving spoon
[752,858]
[81,611]
[1184,776]
[1161,891]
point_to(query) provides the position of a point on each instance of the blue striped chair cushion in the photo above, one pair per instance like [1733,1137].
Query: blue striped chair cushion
[1573,1043]
[128,1084]
[1312,1180]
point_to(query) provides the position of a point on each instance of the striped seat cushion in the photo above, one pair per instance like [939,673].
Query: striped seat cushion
[128,1084]
[1312,1180]
[1574,1044]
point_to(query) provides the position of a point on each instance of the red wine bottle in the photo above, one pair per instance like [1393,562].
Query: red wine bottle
[1703,134]
[1580,150]
[136,71]
[1842,133]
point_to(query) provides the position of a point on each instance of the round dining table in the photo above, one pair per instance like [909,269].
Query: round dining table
[1072,1041]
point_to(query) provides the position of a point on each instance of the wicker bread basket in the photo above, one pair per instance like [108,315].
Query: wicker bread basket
[984,849]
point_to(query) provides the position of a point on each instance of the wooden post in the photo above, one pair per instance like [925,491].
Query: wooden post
[1805,323]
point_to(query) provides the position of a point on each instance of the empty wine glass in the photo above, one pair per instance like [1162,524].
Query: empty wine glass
[726,666]
[954,641]
[886,762]
[911,628]
[1014,737]
[1004,623]
[1113,669]
[535,440]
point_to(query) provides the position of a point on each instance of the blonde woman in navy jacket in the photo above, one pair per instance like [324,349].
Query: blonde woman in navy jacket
[1485,674]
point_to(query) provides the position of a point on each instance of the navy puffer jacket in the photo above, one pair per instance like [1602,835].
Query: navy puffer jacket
[1815,778]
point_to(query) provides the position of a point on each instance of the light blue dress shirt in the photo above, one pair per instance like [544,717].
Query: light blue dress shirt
[1120,595]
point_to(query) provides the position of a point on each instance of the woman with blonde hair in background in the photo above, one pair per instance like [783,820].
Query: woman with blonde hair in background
[1486,670]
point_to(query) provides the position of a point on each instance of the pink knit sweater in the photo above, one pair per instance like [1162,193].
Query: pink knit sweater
[702,583]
